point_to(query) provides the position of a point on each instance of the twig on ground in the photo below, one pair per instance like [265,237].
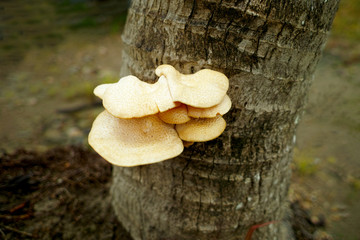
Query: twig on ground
[16,217]
[17,231]
[3,234]
[14,209]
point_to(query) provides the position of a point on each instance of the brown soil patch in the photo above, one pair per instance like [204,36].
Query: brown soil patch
[60,194]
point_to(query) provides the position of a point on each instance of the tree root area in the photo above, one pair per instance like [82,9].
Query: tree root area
[63,193]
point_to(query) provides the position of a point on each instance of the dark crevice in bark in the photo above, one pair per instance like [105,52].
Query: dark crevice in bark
[199,213]
[206,35]
[261,176]
[183,170]
[162,52]
[225,41]
[167,9]
[247,5]
[280,32]
[190,16]
[140,178]
[206,43]
[211,169]
[142,221]
[220,222]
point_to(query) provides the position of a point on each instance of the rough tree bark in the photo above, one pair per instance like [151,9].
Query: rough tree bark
[218,189]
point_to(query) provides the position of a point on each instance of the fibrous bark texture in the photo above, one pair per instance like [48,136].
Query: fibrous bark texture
[218,189]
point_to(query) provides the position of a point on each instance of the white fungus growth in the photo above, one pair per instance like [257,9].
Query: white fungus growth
[297,119]
[147,123]
[287,149]
[239,206]
[257,177]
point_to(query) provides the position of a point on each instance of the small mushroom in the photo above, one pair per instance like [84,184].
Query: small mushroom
[203,89]
[136,141]
[219,109]
[187,144]
[133,98]
[201,129]
[177,115]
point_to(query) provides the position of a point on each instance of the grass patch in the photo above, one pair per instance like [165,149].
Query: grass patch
[87,22]
[67,6]
[79,90]
[8,47]
[108,78]
[305,163]
[118,23]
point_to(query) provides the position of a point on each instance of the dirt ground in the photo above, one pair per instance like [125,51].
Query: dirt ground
[59,194]
[53,186]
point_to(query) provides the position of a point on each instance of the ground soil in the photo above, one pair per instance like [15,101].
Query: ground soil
[53,186]
[59,194]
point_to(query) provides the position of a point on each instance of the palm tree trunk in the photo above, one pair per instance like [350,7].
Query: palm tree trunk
[218,189]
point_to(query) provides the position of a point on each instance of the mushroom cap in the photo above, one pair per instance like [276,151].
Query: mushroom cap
[202,89]
[201,129]
[99,91]
[219,109]
[162,95]
[129,98]
[132,98]
[136,141]
[177,115]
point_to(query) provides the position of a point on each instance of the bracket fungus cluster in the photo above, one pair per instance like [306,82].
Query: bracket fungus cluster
[146,123]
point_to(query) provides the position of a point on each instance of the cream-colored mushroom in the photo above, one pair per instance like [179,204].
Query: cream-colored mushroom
[177,115]
[137,126]
[203,89]
[201,129]
[133,98]
[219,109]
[162,95]
[136,141]
[99,91]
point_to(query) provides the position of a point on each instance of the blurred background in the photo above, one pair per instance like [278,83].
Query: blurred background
[54,52]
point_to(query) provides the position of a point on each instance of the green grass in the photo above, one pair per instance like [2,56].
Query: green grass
[108,78]
[305,163]
[67,6]
[79,90]
[87,22]
[118,22]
